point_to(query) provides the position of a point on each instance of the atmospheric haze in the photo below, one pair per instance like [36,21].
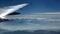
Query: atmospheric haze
[35,21]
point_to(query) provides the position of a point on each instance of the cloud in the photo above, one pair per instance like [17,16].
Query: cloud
[48,13]
[33,22]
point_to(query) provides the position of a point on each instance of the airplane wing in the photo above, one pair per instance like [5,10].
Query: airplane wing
[14,13]
[11,10]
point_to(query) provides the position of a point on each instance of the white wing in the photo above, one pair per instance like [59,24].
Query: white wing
[11,9]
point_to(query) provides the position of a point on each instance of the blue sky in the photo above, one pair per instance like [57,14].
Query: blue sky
[35,6]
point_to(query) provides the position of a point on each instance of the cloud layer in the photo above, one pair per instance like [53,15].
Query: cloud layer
[36,21]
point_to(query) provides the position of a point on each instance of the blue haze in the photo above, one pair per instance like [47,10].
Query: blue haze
[40,15]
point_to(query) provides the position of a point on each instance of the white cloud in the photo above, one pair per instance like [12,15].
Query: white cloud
[44,21]
[48,13]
